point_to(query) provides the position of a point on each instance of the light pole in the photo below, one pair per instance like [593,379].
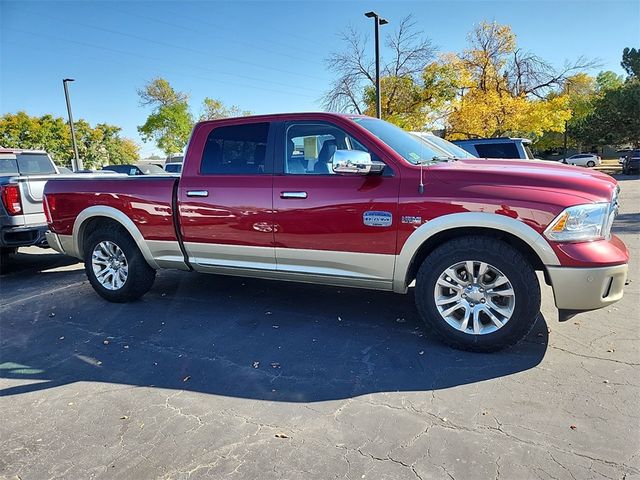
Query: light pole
[76,164]
[378,21]
[564,155]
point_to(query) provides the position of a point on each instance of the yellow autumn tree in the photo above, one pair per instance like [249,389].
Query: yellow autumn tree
[504,90]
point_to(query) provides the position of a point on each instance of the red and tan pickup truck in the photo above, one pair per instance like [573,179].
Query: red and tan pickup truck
[355,201]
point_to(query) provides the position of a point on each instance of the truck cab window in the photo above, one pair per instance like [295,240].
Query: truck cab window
[310,147]
[236,150]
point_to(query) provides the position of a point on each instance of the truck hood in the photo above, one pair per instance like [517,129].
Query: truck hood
[540,175]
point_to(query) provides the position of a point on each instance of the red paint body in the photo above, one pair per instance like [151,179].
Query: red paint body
[247,209]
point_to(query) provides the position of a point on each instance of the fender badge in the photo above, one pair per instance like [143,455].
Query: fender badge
[411,220]
[377,219]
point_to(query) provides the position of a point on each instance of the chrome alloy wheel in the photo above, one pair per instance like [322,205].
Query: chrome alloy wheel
[474,297]
[109,265]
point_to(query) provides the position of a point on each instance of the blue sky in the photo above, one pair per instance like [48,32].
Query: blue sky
[264,56]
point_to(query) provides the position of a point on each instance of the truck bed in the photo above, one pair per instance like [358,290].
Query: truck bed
[147,201]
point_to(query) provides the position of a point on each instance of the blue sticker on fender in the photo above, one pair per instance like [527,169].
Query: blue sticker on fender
[377,219]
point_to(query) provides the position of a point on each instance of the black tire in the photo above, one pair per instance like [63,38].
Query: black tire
[140,275]
[500,255]
[591,164]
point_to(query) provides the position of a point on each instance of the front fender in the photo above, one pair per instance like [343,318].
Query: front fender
[468,220]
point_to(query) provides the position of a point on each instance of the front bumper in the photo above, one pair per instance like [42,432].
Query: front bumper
[580,289]
[23,236]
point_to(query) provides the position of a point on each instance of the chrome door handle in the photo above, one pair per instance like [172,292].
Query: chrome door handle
[293,194]
[197,193]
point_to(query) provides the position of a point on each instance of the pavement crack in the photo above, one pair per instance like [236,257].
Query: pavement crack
[593,357]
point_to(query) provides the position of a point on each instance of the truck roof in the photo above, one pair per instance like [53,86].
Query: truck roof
[495,140]
[270,117]
[20,150]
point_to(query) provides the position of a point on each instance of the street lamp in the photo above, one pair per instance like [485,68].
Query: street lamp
[378,21]
[76,164]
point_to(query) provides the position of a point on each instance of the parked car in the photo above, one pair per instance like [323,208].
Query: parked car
[623,154]
[583,160]
[173,167]
[631,162]
[448,147]
[355,201]
[23,174]
[138,169]
[505,147]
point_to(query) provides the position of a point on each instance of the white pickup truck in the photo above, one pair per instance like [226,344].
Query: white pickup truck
[23,175]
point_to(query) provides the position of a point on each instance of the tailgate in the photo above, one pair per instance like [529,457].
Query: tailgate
[31,192]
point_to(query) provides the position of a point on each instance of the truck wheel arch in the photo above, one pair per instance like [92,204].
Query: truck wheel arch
[434,232]
[93,214]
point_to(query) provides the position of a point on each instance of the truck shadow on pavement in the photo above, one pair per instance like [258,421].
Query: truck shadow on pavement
[21,262]
[242,338]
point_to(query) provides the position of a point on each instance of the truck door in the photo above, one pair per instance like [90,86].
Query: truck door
[327,224]
[224,197]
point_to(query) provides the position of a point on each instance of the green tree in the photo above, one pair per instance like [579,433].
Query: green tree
[608,81]
[415,104]
[169,124]
[96,146]
[631,61]
[614,119]
[158,92]
[214,109]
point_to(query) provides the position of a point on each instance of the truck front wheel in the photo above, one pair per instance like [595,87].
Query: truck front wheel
[478,293]
[115,266]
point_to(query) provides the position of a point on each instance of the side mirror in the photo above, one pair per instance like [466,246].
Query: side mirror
[355,162]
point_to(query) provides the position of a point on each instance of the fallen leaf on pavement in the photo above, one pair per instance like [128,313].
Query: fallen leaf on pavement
[275,365]
[281,435]
[256,364]
[573,427]
[124,417]
[187,378]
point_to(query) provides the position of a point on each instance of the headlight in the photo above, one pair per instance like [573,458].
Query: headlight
[582,223]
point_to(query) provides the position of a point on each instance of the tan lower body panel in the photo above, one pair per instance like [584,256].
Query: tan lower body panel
[363,270]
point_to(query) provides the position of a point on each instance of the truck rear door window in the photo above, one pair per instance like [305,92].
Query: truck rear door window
[236,150]
[28,164]
[497,150]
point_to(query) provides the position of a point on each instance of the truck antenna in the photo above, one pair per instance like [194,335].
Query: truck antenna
[421,186]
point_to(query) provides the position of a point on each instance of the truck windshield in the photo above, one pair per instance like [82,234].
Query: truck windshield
[27,164]
[449,147]
[412,149]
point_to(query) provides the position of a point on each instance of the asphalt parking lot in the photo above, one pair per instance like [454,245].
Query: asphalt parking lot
[214,377]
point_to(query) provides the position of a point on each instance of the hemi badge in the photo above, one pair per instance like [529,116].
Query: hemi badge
[411,220]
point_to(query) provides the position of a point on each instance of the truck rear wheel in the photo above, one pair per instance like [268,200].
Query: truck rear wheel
[478,293]
[115,266]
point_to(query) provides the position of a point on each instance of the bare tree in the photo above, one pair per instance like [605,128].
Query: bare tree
[497,64]
[529,74]
[355,65]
